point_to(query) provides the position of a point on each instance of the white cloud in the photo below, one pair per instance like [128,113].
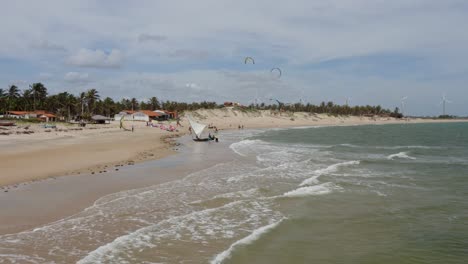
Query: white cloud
[45,76]
[203,42]
[193,86]
[76,77]
[96,59]
[47,45]
[189,54]
[150,37]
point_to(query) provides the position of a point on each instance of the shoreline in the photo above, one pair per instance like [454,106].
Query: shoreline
[34,204]
[50,200]
[31,158]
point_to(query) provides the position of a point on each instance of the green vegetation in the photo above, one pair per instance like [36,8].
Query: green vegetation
[447,117]
[332,109]
[90,102]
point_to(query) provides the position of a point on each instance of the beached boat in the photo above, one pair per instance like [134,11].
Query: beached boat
[197,129]
[202,139]
[7,123]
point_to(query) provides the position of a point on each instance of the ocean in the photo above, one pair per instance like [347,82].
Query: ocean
[350,194]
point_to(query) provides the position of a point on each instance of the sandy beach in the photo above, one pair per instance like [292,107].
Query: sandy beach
[94,149]
[35,167]
[101,148]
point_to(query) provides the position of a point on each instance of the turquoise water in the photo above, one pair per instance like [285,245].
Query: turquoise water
[357,194]
[405,202]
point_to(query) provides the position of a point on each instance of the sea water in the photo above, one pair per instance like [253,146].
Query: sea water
[351,194]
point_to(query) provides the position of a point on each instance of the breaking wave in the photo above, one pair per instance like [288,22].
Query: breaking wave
[329,169]
[400,155]
[320,189]
[256,234]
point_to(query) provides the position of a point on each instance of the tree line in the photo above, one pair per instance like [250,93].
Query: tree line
[89,103]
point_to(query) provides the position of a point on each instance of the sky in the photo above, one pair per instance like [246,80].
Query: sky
[365,51]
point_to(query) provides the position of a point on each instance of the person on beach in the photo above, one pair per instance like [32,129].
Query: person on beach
[190,130]
[132,128]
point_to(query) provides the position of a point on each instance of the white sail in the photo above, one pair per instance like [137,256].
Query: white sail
[196,127]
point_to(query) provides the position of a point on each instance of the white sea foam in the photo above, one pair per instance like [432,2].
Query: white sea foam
[240,194]
[400,155]
[242,147]
[305,127]
[12,258]
[256,234]
[320,189]
[409,147]
[379,193]
[349,145]
[390,147]
[329,169]
[196,227]
[140,238]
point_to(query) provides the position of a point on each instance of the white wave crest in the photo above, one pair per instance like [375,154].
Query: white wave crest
[320,189]
[349,145]
[241,146]
[390,147]
[400,155]
[409,147]
[256,234]
[329,169]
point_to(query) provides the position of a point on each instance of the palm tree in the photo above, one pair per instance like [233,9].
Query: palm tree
[108,105]
[26,99]
[154,102]
[66,102]
[91,97]
[134,103]
[39,92]
[82,102]
[3,95]
[13,93]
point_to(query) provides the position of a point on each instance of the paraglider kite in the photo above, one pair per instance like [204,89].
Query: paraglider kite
[247,59]
[278,70]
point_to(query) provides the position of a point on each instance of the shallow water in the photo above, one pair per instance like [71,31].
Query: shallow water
[360,194]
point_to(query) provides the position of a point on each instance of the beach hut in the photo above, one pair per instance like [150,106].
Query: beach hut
[125,113]
[47,117]
[146,115]
[18,114]
[140,115]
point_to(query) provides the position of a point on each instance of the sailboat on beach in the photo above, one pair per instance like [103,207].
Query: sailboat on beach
[197,129]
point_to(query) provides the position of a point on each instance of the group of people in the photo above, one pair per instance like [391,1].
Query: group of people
[213,137]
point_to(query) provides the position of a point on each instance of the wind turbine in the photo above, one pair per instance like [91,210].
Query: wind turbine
[444,100]
[347,99]
[402,100]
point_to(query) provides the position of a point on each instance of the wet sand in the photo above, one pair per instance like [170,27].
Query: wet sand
[31,205]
